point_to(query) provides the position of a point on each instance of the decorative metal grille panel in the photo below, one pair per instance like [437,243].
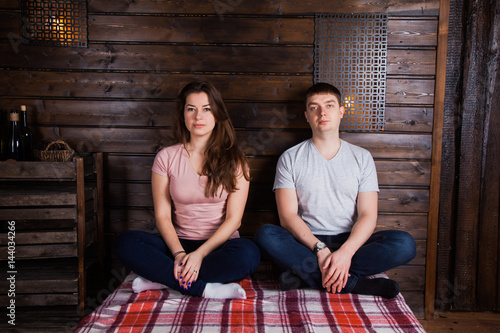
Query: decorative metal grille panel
[55,22]
[350,53]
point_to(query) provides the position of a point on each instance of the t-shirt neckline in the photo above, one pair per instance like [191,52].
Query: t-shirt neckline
[322,157]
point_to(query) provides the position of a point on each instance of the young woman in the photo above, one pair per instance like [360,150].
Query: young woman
[200,187]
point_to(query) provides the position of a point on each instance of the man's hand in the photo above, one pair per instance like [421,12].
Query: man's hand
[334,268]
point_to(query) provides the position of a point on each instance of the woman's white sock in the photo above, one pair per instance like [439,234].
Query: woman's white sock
[225,291]
[212,290]
[141,284]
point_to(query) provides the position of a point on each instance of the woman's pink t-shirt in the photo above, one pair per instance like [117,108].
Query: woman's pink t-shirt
[195,216]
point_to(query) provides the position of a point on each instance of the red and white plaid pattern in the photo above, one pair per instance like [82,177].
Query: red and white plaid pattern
[266,309]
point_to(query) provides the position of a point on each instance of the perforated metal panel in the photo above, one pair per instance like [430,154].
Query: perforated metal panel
[350,53]
[55,22]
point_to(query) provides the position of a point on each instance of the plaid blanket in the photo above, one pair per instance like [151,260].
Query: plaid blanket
[266,309]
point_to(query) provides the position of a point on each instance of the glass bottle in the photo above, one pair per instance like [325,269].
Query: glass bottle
[15,145]
[26,135]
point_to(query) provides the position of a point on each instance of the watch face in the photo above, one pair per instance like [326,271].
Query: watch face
[319,246]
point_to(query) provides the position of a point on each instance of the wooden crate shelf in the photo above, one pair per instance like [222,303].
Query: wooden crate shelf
[58,214]
[47,282]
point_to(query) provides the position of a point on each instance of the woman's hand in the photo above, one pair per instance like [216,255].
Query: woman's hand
[187,268]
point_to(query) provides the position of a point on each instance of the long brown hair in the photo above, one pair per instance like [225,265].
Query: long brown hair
[223,157]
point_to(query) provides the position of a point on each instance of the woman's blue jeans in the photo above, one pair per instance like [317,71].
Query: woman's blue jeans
[382,251]
[147,255]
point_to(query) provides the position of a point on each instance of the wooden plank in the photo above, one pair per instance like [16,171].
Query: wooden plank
[123,218]
[252,142]
[440,92]
[266,7]
[462,321]
[409,91]
[40,237]
[81,227]
[403,173]
[414,224]
[390,173]
[403,200]
[412,32]
[10,27]
[28,196]
[409,278]
[37,170]
[445,257]
[62,318]
[243,114]
[201,29]
[9,4]
[37,196]
[489,219]
[469,199]
[90,231]
[43,251]
[99,200]
[57,285]
[488,259]
[42,299]
[51,225]
[408,119]
[42,280]
[148,85]
[414,62]
[394,173]
[263,169]
[394,200]
[390,200]
[172,58]
[128,167]
[38,214]
[421,254]
[128,194]
[392,145]
[248,114]
[415,300]
[213,30]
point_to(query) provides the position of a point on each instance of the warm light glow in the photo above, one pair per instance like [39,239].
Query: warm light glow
[349,101]
[56,22]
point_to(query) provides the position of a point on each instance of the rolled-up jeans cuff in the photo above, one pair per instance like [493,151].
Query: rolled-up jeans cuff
[351,282]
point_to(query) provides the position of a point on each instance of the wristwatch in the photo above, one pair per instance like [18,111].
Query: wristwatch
[318,247]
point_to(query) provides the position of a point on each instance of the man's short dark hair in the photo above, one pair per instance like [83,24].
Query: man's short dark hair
[323,88]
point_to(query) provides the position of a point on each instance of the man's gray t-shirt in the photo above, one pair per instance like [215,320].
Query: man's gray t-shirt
[327,190]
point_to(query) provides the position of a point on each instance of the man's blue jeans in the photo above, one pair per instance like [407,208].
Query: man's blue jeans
[383,250]
[148,256]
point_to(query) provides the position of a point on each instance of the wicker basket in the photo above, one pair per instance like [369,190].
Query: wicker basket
[55,151]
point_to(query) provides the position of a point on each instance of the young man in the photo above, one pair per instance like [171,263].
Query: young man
[327,192]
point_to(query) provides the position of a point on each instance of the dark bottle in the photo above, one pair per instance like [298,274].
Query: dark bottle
[26,135]
[15,145]
[4,130]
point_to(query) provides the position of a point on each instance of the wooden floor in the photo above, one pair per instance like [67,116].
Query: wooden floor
[466,322]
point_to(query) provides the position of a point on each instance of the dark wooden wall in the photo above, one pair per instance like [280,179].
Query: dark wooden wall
[117,96]
[468,263]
